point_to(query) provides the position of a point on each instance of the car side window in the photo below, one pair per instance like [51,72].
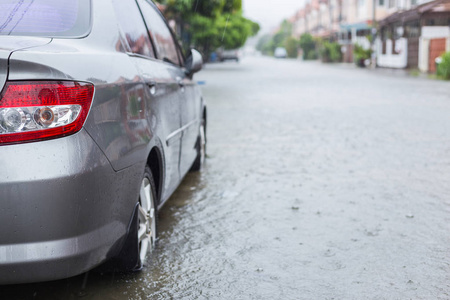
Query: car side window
[132,25]
[164,43]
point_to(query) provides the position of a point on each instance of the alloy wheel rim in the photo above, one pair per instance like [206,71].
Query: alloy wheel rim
[147,224]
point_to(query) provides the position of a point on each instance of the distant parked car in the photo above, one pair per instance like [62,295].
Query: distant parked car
[280,52]
[100,120]
[229,55]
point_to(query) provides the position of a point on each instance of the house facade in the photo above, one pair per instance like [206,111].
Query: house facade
[414,38]
[410,33]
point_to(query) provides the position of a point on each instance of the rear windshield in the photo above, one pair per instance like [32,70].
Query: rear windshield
[48,18]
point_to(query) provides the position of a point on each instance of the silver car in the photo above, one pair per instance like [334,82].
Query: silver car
[100,119]
[280,52]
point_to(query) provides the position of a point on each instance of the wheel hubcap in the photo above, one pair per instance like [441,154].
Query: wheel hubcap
[147,225]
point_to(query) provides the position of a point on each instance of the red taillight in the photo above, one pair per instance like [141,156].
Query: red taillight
[39,110]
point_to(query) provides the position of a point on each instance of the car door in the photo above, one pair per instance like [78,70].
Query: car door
[190,123]
[168,50]
[162,88]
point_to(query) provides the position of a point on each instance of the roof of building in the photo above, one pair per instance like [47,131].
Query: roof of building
[437,6]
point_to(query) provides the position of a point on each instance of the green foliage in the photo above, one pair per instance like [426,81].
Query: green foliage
[291,45]
[360,54]
[255,28]
[308,45]
[267,43]
[210,8]
[210,24]
[203,31]
[330,52]
[234,30]
[443,69]
[232,6]
[207,8]
[283,34]
[177,8]
[312,55]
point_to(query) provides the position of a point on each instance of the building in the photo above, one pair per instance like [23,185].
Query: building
[414,38]
[351,22]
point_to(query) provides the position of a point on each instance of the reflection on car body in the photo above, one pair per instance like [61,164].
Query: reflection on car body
[99,122]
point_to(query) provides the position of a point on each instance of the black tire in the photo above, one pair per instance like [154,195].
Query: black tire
[201,148]
[143,229]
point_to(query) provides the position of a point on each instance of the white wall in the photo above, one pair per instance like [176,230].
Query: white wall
[428,33]
[391,60]
[434,32]
[362,41]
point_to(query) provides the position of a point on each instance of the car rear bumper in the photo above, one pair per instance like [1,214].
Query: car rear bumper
[52,260]
[63,209]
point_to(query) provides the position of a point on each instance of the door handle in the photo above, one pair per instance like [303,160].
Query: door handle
[180,83]
[152,86]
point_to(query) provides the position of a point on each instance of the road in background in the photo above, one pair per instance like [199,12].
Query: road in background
[322,182]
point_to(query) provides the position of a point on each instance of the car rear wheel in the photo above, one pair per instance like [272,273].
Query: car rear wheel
[201,148]
[142,233]
[147,216]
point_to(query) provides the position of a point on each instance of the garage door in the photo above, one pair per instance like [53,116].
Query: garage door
[437,48]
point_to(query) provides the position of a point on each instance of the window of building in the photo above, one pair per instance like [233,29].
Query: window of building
[412,29]
[438,21]
[362,9]
[397,30]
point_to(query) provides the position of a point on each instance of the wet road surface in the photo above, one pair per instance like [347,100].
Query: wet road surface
[322,182]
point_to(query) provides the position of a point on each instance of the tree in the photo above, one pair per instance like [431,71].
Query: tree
[202,32]
[291,45]
[210,24]
[308,46]
[267,43]
[443,68]
[329,51]
[235,30]
[232,6]
[282,34]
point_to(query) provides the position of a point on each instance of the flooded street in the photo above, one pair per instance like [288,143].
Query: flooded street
[321,182]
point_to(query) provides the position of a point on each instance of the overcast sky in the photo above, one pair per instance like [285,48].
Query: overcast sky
[270,13]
